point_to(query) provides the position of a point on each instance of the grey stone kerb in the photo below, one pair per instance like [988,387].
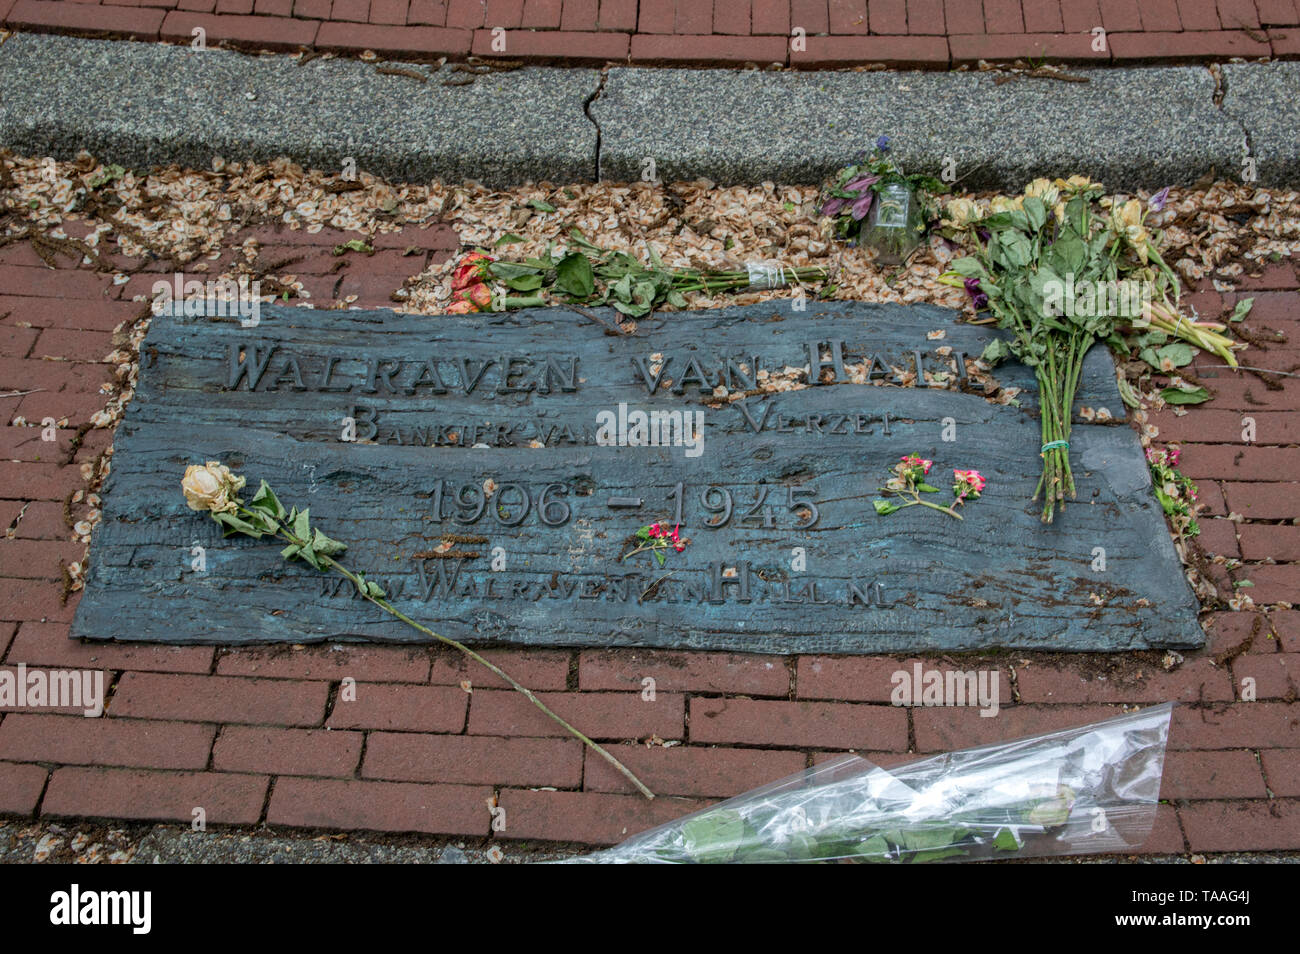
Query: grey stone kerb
[142,104]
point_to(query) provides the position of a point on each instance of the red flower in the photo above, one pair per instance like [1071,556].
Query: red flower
[472,269]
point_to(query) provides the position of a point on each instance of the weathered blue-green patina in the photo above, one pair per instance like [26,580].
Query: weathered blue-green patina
[490,472]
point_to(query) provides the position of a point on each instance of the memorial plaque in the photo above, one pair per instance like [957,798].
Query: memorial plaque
[491,472]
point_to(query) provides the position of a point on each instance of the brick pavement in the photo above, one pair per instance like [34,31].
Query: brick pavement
[805,33]
[261,736]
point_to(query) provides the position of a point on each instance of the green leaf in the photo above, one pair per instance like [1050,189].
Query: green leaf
[1007,840]
[302,526]
[659,555]
[1243,309]
[883,507]
[355,245]
[573,276]
[540,206]
[510,238]
[1179,396]
[714,836]
[926,488]
[875,848]
[266,500]
[234,524]
[323,544]
[1177,353]
[996,351]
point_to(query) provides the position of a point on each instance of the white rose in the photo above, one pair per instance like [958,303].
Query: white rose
[211,487]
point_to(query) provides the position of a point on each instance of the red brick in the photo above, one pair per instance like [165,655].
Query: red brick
[272,33]
[537,669]
[508,14]
[473,760]
[432,237]
[871,678]
[1285,626]
[731,16]
[389,11]
[76,740]
[468,14]
[690,770]
[1235,14]
[556,45]
[307,9]
[925,16]
[1214,426]
[542,14]
[769,17]
[1285,42]
[747,674]
[233,6]
[1117,15]
[1260,541]
[1219,537]
[352,10]
[1242,725]
[362,663]
[1166,836]
[71,345]
[1198,15]
[1277,676]
[1281,771]
[850,16]
[379,806]
[1074,47]
[20,788]
[226,799]
[654,48]
[54,312]
[26,444]
[47,644]
[7,631]
[37,559]
[258,749]
[219,699]
[949,729]
[1208,775]
[579,15]
[1081,16]
[825,725]
[1042,16]
[1184,46]
[430,12]
[692,17]
[599,715]
[1271,584]
[38,481]
[1264,501]
[810,15]
[1272,825]
[890,16]
[58,283]
[84,18]
[1003,16]
[589,817]
[383,39]
[29,599]
[401,707]
[1227,631]
[17,342]
[1195,680]
[962,16]
[1278,12]
[275,8]
[832,51]
[618,15]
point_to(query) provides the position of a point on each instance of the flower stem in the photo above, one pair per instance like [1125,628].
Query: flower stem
[387,607]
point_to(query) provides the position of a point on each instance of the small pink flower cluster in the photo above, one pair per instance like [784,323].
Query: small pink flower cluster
[968,484]
[660,532]
[1168,456]
[912,467]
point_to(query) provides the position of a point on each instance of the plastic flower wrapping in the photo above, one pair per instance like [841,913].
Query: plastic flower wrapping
[1090,790]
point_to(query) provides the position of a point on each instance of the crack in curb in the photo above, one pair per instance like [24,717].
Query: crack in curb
[586,109]
[1220,94]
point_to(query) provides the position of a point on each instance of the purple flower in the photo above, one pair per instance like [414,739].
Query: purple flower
[883,144]
[1158,201]
[978,299]
[857,185]
[862,206]
[833,206]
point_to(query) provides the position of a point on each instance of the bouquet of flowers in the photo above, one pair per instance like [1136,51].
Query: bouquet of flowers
[589,275]
[1062,268]
[1089,790]
[874,202]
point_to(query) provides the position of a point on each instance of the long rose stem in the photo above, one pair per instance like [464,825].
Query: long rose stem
[387,607]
